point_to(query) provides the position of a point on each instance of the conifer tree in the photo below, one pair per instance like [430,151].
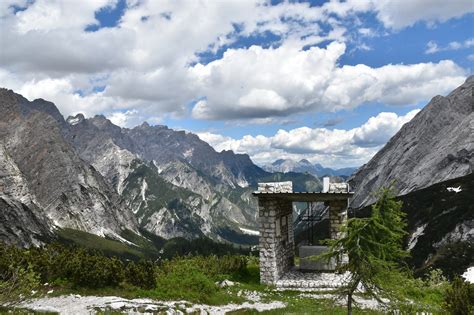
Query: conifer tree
[374,248]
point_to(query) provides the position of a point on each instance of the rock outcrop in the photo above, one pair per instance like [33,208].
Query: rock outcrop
[68,191]
[436,145]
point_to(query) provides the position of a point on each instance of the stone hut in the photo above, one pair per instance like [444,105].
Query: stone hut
[275,212]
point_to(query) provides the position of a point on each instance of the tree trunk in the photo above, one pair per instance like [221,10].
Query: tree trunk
[349,304]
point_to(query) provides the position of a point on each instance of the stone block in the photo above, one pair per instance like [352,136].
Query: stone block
[275,187]
[338,188]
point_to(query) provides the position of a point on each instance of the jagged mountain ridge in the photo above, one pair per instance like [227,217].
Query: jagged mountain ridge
[205,192]
[69,192]
[305,166]
[436,145]
[191,203]
[93,176]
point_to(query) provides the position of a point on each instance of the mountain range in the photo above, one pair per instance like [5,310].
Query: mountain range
[93,176]
[89,175]
[305,166]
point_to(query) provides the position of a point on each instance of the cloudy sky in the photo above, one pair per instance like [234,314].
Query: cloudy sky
[327,81]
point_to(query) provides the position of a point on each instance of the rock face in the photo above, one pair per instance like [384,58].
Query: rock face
[67,191]
[91,175]
[305,166]
[21,221]
[175,183]
[436,145]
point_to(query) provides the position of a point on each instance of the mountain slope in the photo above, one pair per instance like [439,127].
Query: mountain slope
[305,166]
[176,183]
[21,221]
[69,192]
[436,145]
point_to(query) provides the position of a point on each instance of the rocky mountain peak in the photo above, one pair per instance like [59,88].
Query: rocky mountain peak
[305,161]
[435,146]
[145,125]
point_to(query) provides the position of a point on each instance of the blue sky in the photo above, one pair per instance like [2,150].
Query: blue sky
[327,81]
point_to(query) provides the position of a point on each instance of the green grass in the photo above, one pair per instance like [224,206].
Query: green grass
[302,305]
[107,246]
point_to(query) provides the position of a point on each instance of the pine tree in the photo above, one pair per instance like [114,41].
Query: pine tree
[374,247]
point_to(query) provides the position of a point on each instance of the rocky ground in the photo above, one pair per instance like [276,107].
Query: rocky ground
[258,301]
[76,304]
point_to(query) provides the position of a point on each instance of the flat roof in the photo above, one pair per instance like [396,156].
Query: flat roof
[305,196]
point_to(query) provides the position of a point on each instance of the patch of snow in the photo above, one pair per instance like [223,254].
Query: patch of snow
[188,153]
[469,275]
[454,189]
[249,232]
[414,237]
[242,183]
[158,167]
[103,232]
[143,190]
[73,121]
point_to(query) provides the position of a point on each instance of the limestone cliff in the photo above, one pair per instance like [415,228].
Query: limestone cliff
[436,145]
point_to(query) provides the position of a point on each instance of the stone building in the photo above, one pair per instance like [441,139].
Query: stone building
[275,211]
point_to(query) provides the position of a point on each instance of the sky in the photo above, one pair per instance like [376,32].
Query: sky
[330,82]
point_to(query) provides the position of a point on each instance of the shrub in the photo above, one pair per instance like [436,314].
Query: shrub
[17,283]
[141,274]
[181,279]
[212,266]
[94,271]
[459,297]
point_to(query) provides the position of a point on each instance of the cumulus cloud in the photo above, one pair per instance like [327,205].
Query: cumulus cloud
[150,62]
[335,148]
[261,82]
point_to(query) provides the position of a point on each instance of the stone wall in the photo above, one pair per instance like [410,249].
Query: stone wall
[337,217]
[276,226]
[276,238]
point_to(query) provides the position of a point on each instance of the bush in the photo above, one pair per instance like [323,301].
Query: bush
[185,283]
[459,297]
[190,277]
[94,271]
[212,266]
[17,283]
[141,274]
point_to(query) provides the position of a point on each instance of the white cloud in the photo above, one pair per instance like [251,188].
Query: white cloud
[377,130]
[432,47]
[402,13]
[264,82]
[334,148]
[144,62]
[130,118]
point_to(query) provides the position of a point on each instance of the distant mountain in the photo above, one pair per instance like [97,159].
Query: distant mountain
[93,176]
[175,183]
[305,166]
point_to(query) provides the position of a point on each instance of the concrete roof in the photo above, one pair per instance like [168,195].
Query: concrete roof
[306,196]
